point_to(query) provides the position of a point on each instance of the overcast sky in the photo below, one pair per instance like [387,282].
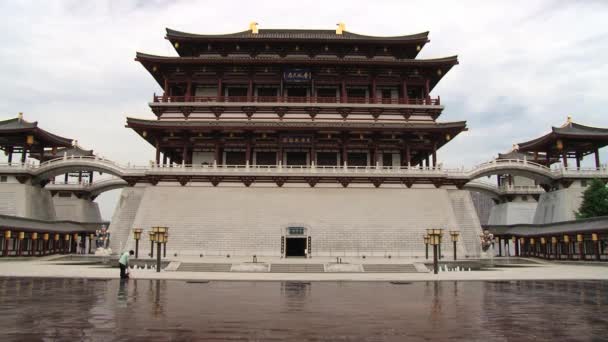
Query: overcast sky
[524,65]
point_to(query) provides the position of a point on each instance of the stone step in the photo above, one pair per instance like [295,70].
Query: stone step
[204,267]
[389,268]
[297,268]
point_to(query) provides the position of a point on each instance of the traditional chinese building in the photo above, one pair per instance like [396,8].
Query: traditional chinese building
[279,142]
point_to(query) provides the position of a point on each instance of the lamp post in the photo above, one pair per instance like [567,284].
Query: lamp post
[45,242]
[567,244]
[34,248]
[455,235]
[533,246]
[543,244]
[66,243]
[91,236]
[522,246]
[152,238]
[20,237]
[159,233]
[435,239]
[7,238]
[165,243]
[581,250]
[426,246]
[55,242]
[596,245]
[439,243]
[75,243]
[137,236]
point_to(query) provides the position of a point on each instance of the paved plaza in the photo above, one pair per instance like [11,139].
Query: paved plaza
[524,269]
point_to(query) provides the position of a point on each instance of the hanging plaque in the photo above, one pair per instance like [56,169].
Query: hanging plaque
[297,75]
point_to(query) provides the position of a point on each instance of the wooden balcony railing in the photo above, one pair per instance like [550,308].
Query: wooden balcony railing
[293,99]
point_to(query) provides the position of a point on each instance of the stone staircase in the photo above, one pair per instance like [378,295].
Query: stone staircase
[468,222]
[389,268]
[203,267]
[122,221]
[297,268]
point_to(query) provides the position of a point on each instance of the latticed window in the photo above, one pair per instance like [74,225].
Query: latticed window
[296,230]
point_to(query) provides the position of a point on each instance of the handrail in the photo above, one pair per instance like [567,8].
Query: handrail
[299,99]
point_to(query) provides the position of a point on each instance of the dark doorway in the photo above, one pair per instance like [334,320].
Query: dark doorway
[235,158]
[266,158]
[295,247]
[296,92]
[296,158]
[327,158]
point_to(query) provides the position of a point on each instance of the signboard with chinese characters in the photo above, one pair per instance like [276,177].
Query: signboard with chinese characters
[296,139]
[297,75]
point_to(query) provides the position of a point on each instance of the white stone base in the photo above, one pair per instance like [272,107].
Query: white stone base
[240,221]
[100,251]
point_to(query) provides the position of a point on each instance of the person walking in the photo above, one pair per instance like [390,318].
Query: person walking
[123,263]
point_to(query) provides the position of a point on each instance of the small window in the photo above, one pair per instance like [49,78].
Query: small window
[3,179]
[296,230]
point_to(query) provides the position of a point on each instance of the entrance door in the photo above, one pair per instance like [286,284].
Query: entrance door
[294,247]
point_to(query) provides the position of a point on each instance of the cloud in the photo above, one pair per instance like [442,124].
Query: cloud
[524,66]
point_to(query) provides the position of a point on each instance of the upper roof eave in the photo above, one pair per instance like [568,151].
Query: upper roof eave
[296,34]
[141,57]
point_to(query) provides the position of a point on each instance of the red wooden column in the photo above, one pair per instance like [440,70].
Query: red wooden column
[248,153]
[373,99]
[597,158]
[219,87]
[189,89]
[427,90]
[165,90]
[565,158]
[343,91]
[313,149]
[344,149]
[185,153]
[218,153]
[434,155]
[9,150]
[157,151]
[250,87]
[404,91]
[578,160]
[596,245]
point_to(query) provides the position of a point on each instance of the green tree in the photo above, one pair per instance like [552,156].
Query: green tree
[595,201]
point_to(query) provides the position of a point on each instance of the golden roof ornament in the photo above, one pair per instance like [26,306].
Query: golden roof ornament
[341,28]
[569,119]
[20,116]
[253,26]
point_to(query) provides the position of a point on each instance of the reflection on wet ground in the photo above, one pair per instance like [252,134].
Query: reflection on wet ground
[156,310]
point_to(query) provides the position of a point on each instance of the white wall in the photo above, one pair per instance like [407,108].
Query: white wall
[233,219]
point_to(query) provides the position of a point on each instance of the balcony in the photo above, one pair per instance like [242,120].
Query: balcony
[284,107]
[294,99]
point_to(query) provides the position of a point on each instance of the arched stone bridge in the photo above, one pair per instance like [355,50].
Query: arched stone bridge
[40,174]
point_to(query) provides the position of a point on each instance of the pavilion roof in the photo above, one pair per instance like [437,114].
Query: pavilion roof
[295,34]
[11,128]
[456,126]
[573,135]
[72,151]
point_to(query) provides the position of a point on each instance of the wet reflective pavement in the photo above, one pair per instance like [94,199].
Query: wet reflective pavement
[157,310]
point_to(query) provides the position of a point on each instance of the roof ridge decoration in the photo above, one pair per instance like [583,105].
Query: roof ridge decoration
[312,34]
